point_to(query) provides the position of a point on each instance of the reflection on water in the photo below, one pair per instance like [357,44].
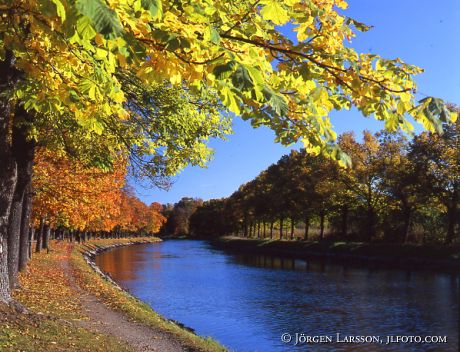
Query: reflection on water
[247,302]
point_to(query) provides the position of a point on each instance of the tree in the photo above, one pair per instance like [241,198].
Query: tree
[135,217]
[210,219]
[178,223]
[437,161]
[398,178]
[58,63]
[363,179]
[396,188]
[69,194]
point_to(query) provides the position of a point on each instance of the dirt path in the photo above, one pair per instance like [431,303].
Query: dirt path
[107,321]
[110,322]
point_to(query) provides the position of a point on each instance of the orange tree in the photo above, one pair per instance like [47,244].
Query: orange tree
[67,193]
[136,217]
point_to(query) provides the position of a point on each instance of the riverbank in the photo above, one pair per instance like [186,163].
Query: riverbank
[425,257]
[72,306]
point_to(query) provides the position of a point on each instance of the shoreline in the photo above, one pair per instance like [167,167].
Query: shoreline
[187,336]
[90,253]
[373,255]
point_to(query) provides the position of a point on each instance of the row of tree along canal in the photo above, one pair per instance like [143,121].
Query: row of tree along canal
[397,190]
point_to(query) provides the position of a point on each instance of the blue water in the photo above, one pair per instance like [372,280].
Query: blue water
[247,302]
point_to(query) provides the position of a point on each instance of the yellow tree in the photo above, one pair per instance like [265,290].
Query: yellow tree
[437,161]
[363,179]
[62,59]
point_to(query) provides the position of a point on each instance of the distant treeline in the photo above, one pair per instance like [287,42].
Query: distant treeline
[178,216]
[397,190]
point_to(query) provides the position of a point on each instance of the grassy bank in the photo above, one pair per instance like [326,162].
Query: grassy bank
[52,297]
[131,306]
[430,257]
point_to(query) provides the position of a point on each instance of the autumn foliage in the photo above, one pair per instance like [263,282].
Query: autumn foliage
[68,194]
[95,79]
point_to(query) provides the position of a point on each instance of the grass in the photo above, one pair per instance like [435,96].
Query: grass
[49,294]
[25,333]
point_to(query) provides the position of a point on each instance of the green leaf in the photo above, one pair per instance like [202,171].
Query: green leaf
[256,75]
[215,37]
[431,111]
[172,42]
[277,102]
[97,127]
[85,29]
[103,18]
[154,6]
[225,70]
[230,99]
[241,79]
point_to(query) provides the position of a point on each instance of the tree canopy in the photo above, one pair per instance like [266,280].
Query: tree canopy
[66,194]
[69,55]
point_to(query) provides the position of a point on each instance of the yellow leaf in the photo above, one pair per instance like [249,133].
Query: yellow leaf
[275,12]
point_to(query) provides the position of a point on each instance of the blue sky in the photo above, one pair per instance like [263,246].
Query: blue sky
[421,32]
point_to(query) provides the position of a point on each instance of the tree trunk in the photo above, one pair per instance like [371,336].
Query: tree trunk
[292,228]
[8,177]
[8,169]
[451,221]
[265,229]
[25,230]
[39,235]
[23,155]
[307,227]
[371,224]
[321,225]
[245,227]
[407,224]
[46,238]
[31,238]
[258,229]
[271,229]
[14,229]
[344,220]
[281,228]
